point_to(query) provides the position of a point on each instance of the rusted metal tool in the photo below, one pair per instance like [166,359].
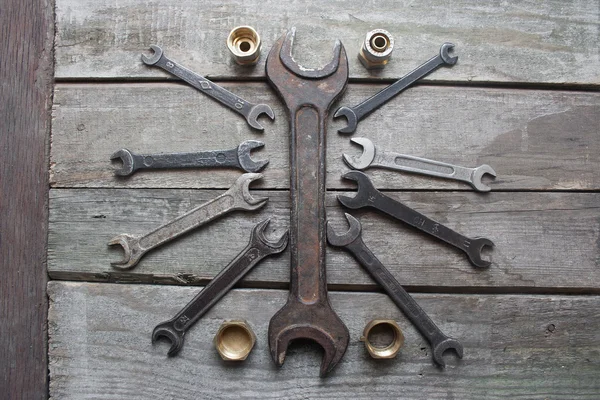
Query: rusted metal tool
[257,249]
[238,197]
[308,95]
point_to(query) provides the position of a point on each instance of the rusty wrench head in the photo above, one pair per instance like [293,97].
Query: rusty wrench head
[247,163]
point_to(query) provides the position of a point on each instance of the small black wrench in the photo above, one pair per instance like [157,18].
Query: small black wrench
[257,249]
[238,157]
[352,241]
[369,196]
[250,111]
[356,113]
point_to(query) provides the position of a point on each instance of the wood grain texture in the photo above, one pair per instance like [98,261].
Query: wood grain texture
[533,139]
[512,41]
[533,347]
[543,240]
[26,71]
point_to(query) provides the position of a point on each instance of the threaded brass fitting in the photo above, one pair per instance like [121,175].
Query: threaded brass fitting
[244,44]
[376,49]
[386,351]
[234,340]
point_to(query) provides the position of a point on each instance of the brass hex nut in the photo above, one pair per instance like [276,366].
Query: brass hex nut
[376,49]
[244,44]
[234,340]
[386,351]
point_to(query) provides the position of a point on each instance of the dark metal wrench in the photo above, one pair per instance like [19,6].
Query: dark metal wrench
[352,241]
[238,157]
[238,197]
[369,196]
[250,111]
[257,249]
[358,112]
[308,95]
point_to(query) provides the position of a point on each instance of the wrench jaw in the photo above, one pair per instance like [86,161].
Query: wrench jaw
[351,119]
[132,254]
[154,58]
[166,331]
[244,158]
[257,111]
[240,192]
[126,158]
[344,239]
[445,54]
[274,247]
[441,347]
[474,252]
[365,159]
[478,174]
[362,198]
[286,57]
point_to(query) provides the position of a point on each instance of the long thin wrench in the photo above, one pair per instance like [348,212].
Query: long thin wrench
[360,111]
[257,249]
[248,110]
[238,197]
[369,196]
[352,241]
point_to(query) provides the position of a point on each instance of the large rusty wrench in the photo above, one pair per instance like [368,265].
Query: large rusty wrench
[308,95]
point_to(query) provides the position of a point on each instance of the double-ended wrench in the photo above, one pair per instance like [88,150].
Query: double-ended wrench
[238,197]
[368,196]
[257,249]
[372,156]
[248,110]
[353,243]
[360,111]
[238,157]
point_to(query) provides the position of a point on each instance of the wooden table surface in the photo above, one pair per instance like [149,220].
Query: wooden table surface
[523,98]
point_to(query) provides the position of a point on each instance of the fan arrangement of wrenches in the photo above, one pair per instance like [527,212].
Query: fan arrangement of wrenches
[308,95]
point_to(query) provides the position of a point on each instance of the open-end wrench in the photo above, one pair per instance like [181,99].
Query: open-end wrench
[358,112]
[372,156]
[369,196]
[257,249]
[238,157]
[308,95]
[238,197]
[250,111]
[352,241]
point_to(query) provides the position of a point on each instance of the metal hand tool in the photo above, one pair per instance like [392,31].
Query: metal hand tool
[238,157]
[372,156]
[352,241]
[257,249]
[238,197]
[250,111]
[369,196]
[308,95]
[358,112]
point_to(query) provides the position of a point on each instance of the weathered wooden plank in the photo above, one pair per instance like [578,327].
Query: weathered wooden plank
[534,347]
[543,240]
[553,42]
[533,139]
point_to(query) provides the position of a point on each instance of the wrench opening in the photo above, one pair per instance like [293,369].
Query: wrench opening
[125,157]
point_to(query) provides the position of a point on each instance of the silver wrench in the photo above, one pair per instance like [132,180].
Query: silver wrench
[352,241]
[250,111]
[373,157]
[238,197]
[238,157]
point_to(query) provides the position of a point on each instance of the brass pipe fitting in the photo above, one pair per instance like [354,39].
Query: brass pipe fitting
[244,44]
[376,49]
[234,340]
[388,350]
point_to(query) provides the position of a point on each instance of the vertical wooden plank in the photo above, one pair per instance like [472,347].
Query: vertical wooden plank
[26,73]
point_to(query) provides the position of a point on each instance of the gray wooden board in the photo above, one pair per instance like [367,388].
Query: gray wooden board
[511,41]
[515,346]
[543,240]
[533,139]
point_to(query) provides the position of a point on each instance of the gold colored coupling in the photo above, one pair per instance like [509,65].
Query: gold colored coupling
[234,340]
[383,327]
[244,44]
[376,50]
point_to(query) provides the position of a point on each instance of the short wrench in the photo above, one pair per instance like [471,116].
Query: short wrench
[352,241]
[358,112]
[369,196]
[257,249]
[238,157]
[250,111]
[238,197]
[372,156]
